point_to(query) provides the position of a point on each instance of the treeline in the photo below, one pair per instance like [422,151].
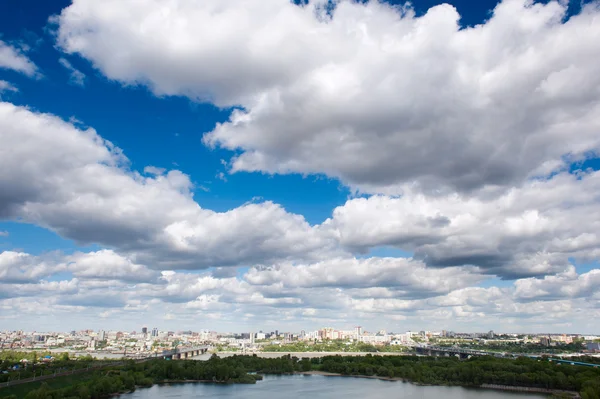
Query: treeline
[523,371]
[112,380]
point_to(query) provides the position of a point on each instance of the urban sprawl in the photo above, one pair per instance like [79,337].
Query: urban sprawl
[148,342]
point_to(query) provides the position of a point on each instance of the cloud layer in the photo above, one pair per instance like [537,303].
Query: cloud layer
[78,185]
[465,137]
[527,231]
[385,291]
[370,94]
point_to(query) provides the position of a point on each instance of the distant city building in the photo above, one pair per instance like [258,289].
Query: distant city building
[375,339]
[358,331]
[593,346]
[155,332]
[144,330]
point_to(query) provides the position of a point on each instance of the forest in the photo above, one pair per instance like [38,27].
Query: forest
[525,372]
[127,377]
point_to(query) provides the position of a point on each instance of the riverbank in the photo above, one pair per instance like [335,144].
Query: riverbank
[424,371]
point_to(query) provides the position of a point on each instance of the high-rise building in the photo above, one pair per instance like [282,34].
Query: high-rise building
[358,331]
[101,335]
[144,330]
[155,332]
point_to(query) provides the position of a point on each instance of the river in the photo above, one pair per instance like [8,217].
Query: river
[319,387]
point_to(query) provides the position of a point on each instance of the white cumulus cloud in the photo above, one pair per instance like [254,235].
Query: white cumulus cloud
[77,184]
[372,94]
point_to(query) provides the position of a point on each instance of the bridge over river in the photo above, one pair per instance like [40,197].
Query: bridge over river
[464,353]
[183,353]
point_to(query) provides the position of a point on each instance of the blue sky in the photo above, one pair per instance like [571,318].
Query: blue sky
[406,145]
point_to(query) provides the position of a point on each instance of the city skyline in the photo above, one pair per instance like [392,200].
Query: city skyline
[262,164]
[139,344]
[153,331]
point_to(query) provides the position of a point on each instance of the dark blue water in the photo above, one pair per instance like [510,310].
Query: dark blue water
[319,387]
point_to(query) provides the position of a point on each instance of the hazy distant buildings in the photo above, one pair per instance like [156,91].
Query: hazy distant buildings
[593,346]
